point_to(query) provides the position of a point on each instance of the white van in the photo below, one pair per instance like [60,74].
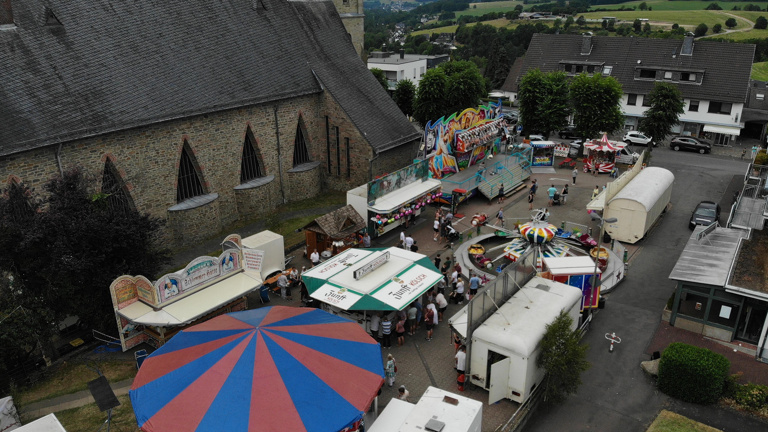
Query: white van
[627,156]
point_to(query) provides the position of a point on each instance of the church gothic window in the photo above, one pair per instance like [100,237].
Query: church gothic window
[118,198]
[250,166]
[300,150]
[189,184]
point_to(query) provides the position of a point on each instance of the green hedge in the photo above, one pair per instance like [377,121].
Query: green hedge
[692,374]
[752,396]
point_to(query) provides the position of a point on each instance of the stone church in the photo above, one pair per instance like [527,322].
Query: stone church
[202,113]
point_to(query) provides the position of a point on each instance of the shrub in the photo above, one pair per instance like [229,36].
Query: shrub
[692,374]
[752,396]
[732,385]
[761,158]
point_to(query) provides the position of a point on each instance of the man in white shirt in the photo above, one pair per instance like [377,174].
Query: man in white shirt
[442,305]
[454,279]
[460,291]
[461,360]
[408,242]
[402,239]
[315,258]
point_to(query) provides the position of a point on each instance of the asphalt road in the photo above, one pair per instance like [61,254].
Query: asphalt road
[616,395]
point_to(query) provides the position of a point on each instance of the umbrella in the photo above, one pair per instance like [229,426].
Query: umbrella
[270,369]
[604,144]
[372,279]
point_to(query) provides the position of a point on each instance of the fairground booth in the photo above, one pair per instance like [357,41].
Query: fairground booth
[543,154]
[153,312]
[390,200]
[602,154]
[387,279]
[336,231]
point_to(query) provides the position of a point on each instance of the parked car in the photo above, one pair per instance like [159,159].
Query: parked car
[636,137]
[705,213]
[627,156]
[536,137]
[511,118]
[690,143]
[568,132]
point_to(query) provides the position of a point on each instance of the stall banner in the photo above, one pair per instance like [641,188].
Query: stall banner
[542,161]
[254,259]
[337,296]
[229,261]
[337,264]
[403,288]
[393,181]
[125,290]
[440,136]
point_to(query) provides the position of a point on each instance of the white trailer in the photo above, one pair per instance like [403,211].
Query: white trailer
[504,348]
[639,204]
[437,410]
[273,246]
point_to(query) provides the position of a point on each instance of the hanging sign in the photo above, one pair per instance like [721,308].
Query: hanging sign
[371,266]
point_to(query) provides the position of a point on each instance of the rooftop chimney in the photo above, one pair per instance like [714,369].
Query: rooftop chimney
[586,44]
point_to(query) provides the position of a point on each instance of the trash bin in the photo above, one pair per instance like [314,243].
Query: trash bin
[264,294]
[140,356]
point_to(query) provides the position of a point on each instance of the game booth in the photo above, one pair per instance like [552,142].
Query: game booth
[543,154]
[602,154]
[153,312]
[392,199]
[335,232]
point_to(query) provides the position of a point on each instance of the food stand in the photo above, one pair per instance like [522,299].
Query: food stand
[543,153]
[602,154]
[336,231]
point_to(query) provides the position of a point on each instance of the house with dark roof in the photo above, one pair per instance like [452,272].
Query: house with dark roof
[713,77]
[200,113]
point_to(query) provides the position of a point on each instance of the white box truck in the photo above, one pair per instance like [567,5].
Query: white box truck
[504,348]
[437,410]
[273,246]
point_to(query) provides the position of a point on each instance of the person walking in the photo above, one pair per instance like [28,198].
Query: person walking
[437,261]
[534,187]
[454,278]
[564,194]
[386,333]
[501,193]
[366,241]
[429,319]
[474,285]
[400,330]
[376,326]
[743,153]
[408,242]
[460,292]
[436,229]
[412,313]
[442,305]
[595,192]
[551,192]
[461,360]
[574,173]
[403,393]
[402,239]
[390,370]
[500,217]
[315,258]
[530,200]
[282,282]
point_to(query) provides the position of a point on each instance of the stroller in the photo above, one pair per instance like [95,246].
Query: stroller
[556,199]
[451,233]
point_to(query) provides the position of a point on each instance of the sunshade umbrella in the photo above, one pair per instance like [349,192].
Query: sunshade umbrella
[604,144]
[372,279]
[270,369]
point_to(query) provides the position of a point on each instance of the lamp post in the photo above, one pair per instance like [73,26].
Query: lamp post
[596,285]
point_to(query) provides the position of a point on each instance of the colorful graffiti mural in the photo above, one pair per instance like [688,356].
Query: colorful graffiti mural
[444,150]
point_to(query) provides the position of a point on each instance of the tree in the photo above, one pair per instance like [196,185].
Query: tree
[405,93]
[761,23]
[63,259]
[675,26]
[730,23]
[563,359]
[543,101]
[430,96]
[581,21]
[717,28]
[381,77]
[701,30]
[465,85]
[646,28]
[596,102]
[643,6]
[637,25]
[497,69]
[713,6]
[568,22]
[666,107]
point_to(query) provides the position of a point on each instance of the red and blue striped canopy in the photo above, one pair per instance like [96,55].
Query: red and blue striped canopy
[270,369]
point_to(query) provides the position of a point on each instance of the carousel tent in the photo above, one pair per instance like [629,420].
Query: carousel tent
[372,279]
[604,145]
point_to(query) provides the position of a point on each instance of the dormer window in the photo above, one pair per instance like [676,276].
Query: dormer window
[687,76]
[667,75]
[647,73]
[607,70]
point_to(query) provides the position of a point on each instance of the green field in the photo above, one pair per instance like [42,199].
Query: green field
[684,18]
[478,9]
[760,71]
[501,22]
[680,5]
[740,36]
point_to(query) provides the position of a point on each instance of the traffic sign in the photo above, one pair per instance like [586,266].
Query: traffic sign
[519,128]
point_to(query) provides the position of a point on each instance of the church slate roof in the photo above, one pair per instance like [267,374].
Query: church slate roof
[727,66]
[113,65]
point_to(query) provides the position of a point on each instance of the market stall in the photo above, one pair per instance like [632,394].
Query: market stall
[543,153]
[273,368]
[395,199]
[371,279]
[153,312]
[336,231]
[601,154]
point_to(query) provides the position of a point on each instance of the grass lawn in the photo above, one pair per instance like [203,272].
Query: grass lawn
[740,36]
[501,22]
[690,18]
[88,418]
[664,5]
[478,9]
[760,71]
[668,421]
[74,377]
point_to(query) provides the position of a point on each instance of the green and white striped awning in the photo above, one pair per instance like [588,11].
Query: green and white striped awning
[372,279]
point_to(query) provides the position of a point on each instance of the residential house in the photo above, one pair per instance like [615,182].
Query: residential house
[713,77]
[401,66]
